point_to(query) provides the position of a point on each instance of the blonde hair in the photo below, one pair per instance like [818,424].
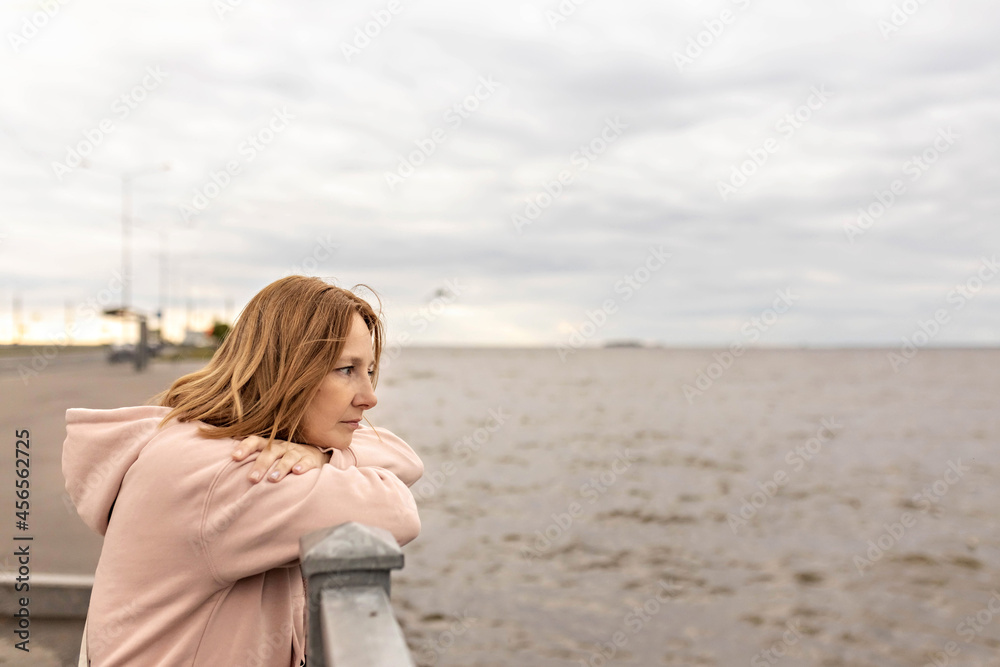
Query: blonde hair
[263,377]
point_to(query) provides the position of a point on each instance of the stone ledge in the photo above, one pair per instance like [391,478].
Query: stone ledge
[50,595]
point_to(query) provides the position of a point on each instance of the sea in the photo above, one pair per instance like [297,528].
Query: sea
[690,507]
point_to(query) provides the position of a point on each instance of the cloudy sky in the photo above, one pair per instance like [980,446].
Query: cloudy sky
[512,173]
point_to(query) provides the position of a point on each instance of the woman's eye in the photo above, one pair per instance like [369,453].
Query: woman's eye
[349,370]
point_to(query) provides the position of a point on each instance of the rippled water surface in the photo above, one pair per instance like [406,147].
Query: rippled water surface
[805,508]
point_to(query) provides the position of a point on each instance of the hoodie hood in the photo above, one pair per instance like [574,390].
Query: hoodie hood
[100,447]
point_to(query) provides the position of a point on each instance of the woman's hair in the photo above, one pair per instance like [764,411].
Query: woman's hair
[263,377]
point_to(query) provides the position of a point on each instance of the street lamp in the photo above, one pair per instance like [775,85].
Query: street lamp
[141,353]
[127,179]
[164,260]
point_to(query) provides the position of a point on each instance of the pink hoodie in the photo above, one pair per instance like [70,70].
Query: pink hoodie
[199,566]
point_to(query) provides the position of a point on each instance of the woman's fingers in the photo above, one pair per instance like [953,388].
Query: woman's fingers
[279,458]
[284,464]
[249,445]
[311,458]
[266,458]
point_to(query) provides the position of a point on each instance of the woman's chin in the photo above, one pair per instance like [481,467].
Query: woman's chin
[338,442]
[335,440]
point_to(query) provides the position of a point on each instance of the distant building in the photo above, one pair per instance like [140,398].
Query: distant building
[197,339]
[624,343]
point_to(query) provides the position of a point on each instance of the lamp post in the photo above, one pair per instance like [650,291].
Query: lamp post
[127,179]
[161,310]
[141,350]
[163,230]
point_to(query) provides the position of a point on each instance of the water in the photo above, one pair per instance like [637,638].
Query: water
[600,522]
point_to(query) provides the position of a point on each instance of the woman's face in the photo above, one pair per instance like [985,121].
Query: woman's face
[344,394]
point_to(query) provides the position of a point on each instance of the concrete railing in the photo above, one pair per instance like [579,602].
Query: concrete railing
[63,596]
[350,620]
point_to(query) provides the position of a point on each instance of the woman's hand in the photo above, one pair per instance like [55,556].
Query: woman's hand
[280,454]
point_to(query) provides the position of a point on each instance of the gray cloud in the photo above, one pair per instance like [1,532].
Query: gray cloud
[324,176]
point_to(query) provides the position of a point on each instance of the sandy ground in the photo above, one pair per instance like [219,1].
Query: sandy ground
[804,508]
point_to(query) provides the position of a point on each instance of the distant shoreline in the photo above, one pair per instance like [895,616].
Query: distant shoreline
[27,349]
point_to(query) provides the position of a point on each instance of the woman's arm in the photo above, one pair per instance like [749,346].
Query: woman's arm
[249,528]
[369,447]
[384,449]
[281,457]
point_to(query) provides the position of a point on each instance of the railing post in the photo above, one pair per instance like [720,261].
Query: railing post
[350,622]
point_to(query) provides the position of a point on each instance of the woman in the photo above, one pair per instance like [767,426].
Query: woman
[200,562]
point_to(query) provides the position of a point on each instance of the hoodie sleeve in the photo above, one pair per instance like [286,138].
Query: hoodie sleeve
[250,528]
[381,448]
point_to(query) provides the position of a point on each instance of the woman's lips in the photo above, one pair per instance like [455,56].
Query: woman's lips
[355,424]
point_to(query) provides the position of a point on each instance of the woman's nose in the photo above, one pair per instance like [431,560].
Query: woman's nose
[366,397]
